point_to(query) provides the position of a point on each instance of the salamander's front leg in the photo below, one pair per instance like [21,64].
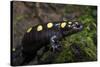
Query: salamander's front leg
[54,41]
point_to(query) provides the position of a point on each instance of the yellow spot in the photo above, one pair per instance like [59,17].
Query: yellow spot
[50,25]
[69,22]
[13,49]
[39,28]
[76,23]
[63,24]
[29,30]
[69,25]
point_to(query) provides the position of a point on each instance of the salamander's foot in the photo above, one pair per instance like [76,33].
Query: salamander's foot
[56,48]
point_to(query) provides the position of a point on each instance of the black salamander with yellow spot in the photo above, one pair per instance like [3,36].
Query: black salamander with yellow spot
[47,34]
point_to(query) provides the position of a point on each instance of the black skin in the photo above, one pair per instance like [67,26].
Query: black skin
[35,40]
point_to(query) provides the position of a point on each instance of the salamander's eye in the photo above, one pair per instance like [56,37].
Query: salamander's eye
[39,28]
[69,25]
[29,30]
[50,25]
[63,24]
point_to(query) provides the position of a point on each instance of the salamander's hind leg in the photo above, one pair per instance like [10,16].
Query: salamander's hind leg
[41,52]
[54,41]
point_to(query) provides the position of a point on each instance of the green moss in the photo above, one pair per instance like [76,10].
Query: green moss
[84,40]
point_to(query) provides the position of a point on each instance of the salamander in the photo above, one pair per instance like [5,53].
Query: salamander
[45,34]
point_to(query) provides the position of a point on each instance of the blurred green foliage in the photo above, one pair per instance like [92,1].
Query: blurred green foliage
[81,46]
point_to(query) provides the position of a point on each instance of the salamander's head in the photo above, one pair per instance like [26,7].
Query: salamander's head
[69,28]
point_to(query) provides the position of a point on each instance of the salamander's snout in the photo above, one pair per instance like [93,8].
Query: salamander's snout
[72,27]
[77,26]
